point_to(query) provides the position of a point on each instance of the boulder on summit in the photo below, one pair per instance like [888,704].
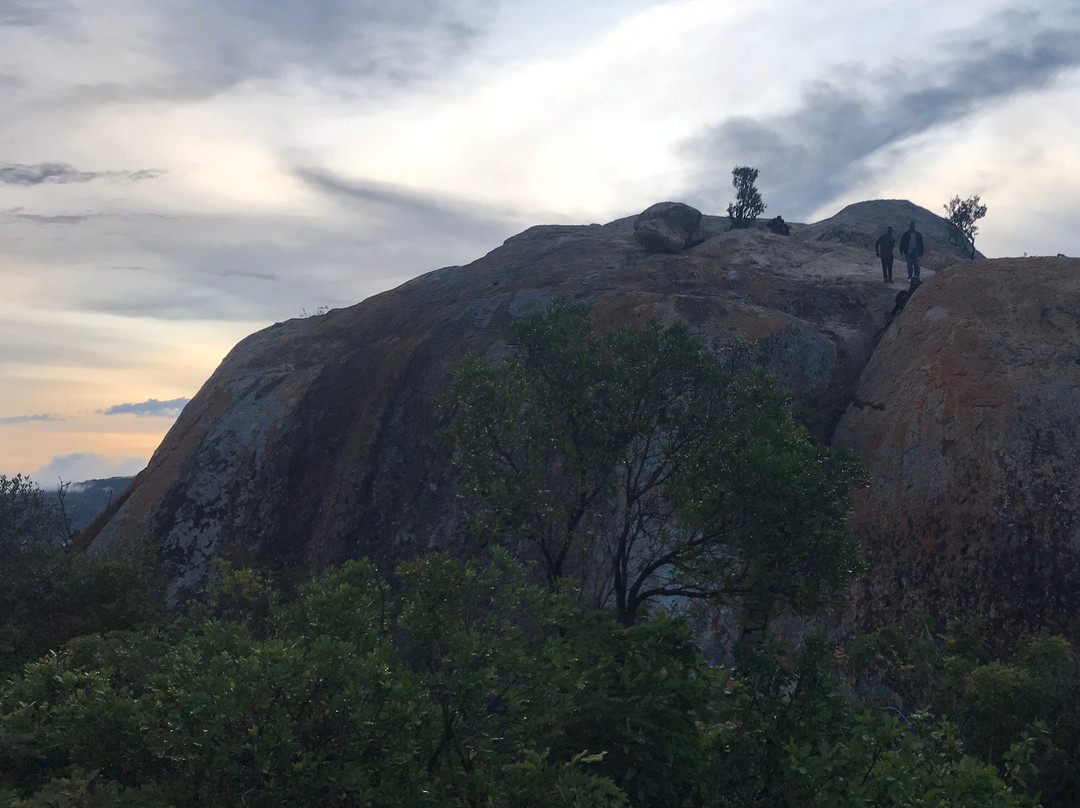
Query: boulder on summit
[668,227]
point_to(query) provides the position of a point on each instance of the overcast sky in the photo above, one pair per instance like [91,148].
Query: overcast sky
[175,174]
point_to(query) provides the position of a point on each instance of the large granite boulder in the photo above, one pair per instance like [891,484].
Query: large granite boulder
[320,439]
[668,227]
[968,420]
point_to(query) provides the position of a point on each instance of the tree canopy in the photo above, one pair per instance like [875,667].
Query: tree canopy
[963,215]
[27,517]
[463,685]
[645,467]
[747,205]
[49,594]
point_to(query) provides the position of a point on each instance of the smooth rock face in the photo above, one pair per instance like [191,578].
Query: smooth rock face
[319,439]
[968,420]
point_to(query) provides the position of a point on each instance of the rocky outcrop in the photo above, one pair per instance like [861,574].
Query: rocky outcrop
[860,224]
[668,227]
[968,420]
[319,439]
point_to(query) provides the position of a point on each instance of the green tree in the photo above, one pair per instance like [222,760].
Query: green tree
[1020,715]
[642,696]
[963,214]
[27,517]
[459,690]
[463,685]
[885,761]
[50,593]
[747,205]
[636,463]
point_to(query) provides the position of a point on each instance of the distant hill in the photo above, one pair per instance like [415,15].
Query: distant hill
[86,500]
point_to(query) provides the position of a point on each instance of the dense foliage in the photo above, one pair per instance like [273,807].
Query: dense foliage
[641,466]
[49,595]
[1021,716]
[27,517]
[454,683]
[466,686]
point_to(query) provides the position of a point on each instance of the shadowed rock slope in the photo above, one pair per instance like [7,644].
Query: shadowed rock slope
[969,424]
[320,439]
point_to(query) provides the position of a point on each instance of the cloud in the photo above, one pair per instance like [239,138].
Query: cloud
[26,419]
[212,46]
[400,204]
[262,267]
[83,466]
[15,13]
[40,218]
[60,173]
[150,409]
[135,176]
[809,155]
[63,174]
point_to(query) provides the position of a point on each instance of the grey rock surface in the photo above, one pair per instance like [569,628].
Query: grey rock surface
[320,439]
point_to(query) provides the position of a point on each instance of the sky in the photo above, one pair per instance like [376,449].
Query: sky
[176,174]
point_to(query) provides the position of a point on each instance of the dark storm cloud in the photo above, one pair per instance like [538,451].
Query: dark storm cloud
[63,174]
[810,155]
[217,44]
[150,409]
[26,419]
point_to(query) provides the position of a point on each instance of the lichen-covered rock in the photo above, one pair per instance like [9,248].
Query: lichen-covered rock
[968,420]
[320,439]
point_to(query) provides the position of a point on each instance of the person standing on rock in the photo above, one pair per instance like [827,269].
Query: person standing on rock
[883,248]
[911,247]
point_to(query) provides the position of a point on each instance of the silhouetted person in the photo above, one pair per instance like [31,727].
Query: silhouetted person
[911,247]
[883,248]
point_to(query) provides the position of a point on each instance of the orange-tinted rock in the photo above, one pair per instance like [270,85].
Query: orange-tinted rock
[968,420]
[320,439]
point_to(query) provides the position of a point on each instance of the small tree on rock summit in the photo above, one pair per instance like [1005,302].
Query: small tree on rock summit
[747,205]
[963,214]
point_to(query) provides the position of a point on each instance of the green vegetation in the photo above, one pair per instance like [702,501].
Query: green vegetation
[49,595]
[645,469]
[963,214]
[493,682]
[466,686]
[747,205]
[26,515]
